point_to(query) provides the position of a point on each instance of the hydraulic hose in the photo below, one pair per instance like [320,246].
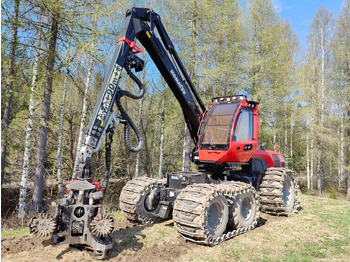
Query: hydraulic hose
[108,146]
[137,81]
[128,121]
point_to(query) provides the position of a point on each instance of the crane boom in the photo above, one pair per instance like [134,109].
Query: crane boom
[140,24]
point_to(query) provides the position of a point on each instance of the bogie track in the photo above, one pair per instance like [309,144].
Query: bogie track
[212,213]
[279,192]
[133,200]
[193,211]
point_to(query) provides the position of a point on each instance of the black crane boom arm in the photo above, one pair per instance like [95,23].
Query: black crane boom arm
[140,24]
[172,70]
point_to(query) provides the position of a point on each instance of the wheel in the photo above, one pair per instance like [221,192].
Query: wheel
[139,199]
[243,210]
[279,192]
[217,216]
[201,211]
[147,204]
[288,192]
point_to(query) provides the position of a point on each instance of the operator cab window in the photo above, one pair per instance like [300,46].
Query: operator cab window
[244,126]
[215,130]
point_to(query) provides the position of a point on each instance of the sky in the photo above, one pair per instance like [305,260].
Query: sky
[301,12]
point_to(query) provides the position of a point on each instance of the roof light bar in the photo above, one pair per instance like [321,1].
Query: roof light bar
[225,99]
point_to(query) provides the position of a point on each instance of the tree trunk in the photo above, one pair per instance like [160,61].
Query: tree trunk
[341,145]
[71,138]
[312,163]
[319,175]
[291,164]
[45,113]
[186,160]
[29,132]
[83,117]
[330,172]
[348,144]
[161,149]
[60,135]
[286,142]
[348,186]
[138,155]
[348,128]
[274,134]
[307,162]
[8,92]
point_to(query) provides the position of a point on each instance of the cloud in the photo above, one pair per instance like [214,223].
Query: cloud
[280,6]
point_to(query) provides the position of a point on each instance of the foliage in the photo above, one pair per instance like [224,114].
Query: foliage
[243,48]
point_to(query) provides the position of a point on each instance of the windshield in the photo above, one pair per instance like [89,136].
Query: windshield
[215,130]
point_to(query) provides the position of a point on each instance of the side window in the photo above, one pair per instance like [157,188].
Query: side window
[244,126]
[276,160]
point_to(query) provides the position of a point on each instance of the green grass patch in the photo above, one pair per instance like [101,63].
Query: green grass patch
[15,232]
[118,216]
[306,252]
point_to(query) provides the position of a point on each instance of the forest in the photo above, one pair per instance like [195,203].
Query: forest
[56,54]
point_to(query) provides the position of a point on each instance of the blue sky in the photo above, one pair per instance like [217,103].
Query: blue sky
[301,12]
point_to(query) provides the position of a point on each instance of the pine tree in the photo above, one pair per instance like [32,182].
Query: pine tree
[45,114]
[9,86]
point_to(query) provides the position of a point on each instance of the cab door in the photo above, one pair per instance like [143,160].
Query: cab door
[243,143]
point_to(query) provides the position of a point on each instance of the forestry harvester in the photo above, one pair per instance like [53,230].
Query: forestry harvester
[236,178]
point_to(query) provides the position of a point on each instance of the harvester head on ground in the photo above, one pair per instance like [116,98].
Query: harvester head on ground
[77,219]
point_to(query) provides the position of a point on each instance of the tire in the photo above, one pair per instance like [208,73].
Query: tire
[288,192]
[147,204]
[139,199]
[243,210]
[217,216]
[200,213]
[279,192]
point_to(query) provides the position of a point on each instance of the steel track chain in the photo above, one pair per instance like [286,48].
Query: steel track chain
[197,198]
[130,199]
[271,194]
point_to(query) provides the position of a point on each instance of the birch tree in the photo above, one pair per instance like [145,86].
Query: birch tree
[83,115]
[138,154]
[161,145]
[320,40]
[307,162]
[60,134]
[29,129]
[341,51]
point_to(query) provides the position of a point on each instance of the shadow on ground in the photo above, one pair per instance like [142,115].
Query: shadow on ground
[127,239]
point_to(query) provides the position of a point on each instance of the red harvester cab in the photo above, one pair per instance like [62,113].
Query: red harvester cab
[229,133]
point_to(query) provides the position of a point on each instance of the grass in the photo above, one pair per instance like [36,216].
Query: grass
[118,216]
[14,232]
[319,232]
